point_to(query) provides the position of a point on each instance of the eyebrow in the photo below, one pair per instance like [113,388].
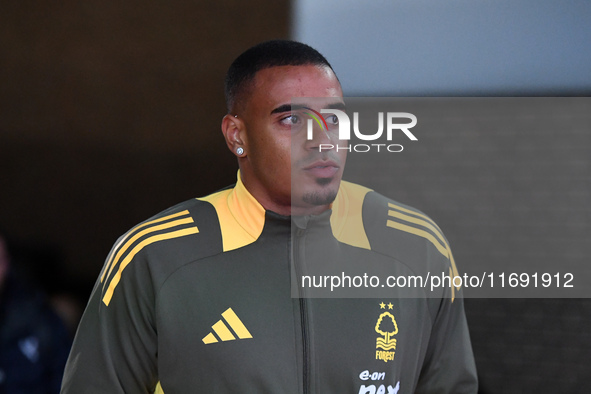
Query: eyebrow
[337,105]
[286,108]
[290,107]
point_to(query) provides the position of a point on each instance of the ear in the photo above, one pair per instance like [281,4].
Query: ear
[233,130]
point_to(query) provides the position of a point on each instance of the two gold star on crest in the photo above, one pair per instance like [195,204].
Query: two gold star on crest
[383,306]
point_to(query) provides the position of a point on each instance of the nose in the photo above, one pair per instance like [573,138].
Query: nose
[318,136]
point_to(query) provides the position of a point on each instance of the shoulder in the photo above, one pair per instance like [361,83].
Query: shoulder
[154,248]
[198,209]
[392,228]
[193,217]
[392,220]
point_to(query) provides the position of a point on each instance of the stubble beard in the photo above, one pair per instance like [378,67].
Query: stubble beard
[324,197]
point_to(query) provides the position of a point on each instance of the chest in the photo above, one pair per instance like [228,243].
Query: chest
[230,321]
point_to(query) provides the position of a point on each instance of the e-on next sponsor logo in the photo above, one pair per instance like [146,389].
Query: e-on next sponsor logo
[341,119]
[378,386]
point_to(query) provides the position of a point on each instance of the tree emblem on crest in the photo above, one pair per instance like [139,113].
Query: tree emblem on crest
[387,328]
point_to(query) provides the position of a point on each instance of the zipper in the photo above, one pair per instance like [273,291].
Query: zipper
[305,356]
[303,312]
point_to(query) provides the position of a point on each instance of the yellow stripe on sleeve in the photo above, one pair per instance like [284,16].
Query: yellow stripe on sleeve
[418,221]
[108,266]
[144,232]
[400,208]
[115,281]
[421,233]
[453,265]
[442,246]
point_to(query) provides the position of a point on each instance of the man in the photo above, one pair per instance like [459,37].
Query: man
[198,298]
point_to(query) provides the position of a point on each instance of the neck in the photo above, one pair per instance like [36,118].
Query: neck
[284,206]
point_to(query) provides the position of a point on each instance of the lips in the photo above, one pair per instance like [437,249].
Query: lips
[322,169]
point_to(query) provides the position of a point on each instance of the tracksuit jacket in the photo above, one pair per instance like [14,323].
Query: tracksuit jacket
[217,295]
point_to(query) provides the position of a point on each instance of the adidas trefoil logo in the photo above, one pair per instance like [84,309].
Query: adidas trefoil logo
[223,332]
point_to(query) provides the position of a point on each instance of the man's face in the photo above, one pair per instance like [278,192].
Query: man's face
[282,169]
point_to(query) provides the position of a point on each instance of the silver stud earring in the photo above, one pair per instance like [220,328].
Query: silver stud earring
[240,151]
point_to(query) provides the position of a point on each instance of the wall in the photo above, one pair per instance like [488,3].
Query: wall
[110,112]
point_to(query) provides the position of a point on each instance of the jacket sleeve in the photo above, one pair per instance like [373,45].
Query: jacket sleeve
[449,364]
[115,348]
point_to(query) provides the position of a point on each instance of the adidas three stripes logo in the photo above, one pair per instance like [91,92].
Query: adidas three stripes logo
[223,332]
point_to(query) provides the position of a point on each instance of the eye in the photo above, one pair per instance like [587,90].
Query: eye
[332,119]
[292,119]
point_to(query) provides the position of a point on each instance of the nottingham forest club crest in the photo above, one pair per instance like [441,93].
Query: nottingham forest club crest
[387,327]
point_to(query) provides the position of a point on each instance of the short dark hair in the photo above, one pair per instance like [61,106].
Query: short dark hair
[265,55]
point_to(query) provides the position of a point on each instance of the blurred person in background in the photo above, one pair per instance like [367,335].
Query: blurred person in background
[34,342]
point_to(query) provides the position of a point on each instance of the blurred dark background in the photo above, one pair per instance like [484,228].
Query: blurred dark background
[110,112]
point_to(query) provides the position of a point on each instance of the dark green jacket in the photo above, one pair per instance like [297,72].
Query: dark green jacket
[200,299]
